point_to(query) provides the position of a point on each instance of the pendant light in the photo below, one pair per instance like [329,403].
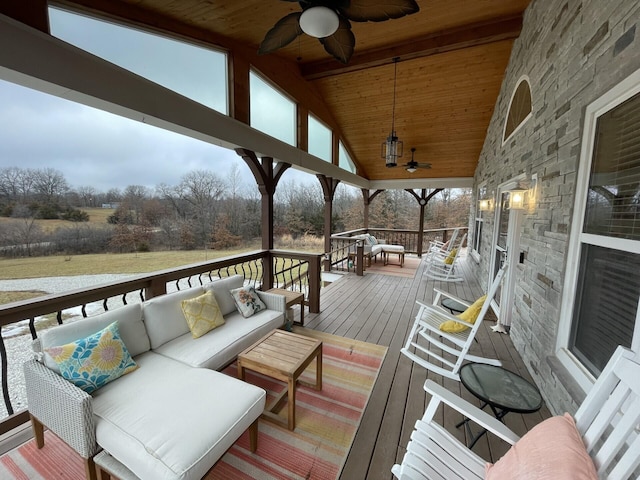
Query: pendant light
[392,147]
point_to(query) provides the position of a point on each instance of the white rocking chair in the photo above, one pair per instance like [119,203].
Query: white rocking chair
[608,422]
[438,245]
[441,263]
[426,339]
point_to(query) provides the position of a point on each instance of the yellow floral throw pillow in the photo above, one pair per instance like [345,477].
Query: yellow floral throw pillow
[202,314]
[469,315]
[92,362]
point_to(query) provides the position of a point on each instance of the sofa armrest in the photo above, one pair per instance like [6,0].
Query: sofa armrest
[62,407]
[273,301]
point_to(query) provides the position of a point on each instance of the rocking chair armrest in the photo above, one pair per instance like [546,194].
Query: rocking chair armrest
[62,407]
[473,413]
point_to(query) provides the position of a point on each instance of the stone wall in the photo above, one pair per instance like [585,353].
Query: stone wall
[572,52]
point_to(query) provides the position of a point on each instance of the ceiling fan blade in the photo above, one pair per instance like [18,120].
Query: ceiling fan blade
[282,33]
[341,43]
[378,10]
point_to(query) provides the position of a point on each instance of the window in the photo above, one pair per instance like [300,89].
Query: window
[196,72]
[519,109]
[320,142]
[606,277]
[271,112]
[479,220]
[344,159]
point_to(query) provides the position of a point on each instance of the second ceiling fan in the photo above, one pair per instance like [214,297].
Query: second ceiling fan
[412,165]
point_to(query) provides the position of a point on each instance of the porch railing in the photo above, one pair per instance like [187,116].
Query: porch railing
[412,240]
[292,270]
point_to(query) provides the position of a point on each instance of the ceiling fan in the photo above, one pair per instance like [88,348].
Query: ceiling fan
[412,166]
[330,22]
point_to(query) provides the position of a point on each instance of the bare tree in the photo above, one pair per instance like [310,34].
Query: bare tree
[86,195]
[49,184]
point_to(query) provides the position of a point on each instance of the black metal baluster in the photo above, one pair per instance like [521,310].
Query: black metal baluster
[5,379]
[59,317]
[32,328]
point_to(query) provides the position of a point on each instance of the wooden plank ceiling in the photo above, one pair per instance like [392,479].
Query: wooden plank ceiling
[452,61]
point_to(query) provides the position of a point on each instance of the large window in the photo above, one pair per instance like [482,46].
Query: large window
[320,143]
[605,262]
[344,159]
[196,72]
[271,112]
[483,204]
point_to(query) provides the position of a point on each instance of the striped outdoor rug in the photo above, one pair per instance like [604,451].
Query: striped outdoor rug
[326,423]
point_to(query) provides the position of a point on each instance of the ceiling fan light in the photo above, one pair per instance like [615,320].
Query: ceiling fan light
[319,22]
[411,169]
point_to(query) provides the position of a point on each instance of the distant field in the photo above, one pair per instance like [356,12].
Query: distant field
[97,216]
[94,264]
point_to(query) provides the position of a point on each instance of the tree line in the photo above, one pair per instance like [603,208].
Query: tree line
[202,210]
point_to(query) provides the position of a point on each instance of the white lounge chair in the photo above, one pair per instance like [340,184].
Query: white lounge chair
[608,422]
[426,341]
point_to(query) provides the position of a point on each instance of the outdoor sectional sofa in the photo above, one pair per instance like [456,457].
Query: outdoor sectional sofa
[374,247]
[174,415]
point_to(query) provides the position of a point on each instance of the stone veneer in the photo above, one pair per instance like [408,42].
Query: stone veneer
[572,52]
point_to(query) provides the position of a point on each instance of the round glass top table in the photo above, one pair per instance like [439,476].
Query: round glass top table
[502,390]
[453,306]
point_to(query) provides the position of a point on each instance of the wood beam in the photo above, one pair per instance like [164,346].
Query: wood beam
[329,186]
[438,42]
[30,12]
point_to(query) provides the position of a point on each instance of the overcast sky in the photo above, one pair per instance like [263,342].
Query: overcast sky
[96,148]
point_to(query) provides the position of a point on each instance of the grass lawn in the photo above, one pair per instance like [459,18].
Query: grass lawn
[95,264]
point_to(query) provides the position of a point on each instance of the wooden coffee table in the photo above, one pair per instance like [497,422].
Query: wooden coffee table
[283,356]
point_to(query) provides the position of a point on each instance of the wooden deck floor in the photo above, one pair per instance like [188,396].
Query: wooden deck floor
[380,309]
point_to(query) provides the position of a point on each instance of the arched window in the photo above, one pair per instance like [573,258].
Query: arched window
[519,108]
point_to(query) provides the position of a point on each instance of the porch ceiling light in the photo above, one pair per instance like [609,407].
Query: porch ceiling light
[392,147]
[319,22]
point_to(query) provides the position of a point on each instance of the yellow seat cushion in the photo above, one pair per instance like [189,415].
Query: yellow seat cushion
[202,314]
[469,315]
[451,257]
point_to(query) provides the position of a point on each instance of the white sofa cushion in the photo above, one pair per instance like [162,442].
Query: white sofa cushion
[222,290]
[163,316]
[130,325]
[170,421]
[220,346]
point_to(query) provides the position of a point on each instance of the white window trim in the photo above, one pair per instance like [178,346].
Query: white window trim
[523,78]
[614,97]
[474,253]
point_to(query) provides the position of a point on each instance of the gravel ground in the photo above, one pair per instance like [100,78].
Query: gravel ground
[17,338]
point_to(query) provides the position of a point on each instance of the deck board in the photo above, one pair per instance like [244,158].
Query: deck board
[380,309]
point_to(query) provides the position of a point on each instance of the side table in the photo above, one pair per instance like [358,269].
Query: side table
[453,306]
[502,390]
[292,299]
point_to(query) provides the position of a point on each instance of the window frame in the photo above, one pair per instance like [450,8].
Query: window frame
[157,32]
[523,78]
[479,218]
[606,102]
[276,88]
[311,117]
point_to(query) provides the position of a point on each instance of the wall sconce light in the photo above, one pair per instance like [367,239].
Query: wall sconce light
[516,197]
[484,205]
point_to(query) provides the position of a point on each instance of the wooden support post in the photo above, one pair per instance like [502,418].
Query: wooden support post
[314,284]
